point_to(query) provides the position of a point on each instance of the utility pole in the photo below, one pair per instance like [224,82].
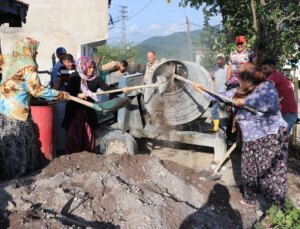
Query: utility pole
[189,38]
[123,16]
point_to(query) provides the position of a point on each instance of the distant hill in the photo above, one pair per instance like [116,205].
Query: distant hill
[172,46]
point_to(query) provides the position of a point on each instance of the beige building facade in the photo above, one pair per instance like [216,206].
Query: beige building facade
[77,25]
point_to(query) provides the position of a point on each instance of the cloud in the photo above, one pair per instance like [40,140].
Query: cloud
[155,29]
[133,29]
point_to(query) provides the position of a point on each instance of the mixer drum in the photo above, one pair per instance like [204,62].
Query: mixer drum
[180,103]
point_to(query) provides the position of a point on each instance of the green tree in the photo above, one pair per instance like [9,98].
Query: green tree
[210,42]
[271,26]
[113,52]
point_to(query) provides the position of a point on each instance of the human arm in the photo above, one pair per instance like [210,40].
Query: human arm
[211,95]
[264,98]
[229,67]
[252,57]
[56,83]
[36,89]
[228,72]
[54,73]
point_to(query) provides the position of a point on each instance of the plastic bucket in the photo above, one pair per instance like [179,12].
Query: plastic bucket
[43,118]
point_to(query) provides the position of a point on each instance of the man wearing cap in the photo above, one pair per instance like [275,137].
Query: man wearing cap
[60,53]
[237,59]
[219,86]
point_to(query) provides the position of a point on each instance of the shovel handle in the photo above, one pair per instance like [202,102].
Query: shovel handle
[129,88]
[216,94]
[85,103]
[202,89]
[225,157]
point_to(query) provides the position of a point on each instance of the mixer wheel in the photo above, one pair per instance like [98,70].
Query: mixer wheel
[118,142]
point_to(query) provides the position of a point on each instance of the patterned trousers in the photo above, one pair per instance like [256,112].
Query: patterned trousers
[264,168]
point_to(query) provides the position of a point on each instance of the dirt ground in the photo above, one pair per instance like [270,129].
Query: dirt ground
[157,190]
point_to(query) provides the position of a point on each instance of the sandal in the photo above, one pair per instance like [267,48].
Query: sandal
[242,202]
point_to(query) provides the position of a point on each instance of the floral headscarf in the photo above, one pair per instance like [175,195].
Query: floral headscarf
[83,64]
[21,57]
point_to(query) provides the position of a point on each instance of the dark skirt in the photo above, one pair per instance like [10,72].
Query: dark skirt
[18,147]
[264,168]
[80,136]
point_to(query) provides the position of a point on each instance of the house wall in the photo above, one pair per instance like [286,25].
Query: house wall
[72,24]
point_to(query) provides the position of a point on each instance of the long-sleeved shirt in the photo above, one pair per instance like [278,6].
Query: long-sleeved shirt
[264,99]
[15,93]
[54,72]
[74,88]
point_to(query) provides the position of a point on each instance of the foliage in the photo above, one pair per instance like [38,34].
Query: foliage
[173,46]
[289,217]
[211,42]
[109,53]
[271,27]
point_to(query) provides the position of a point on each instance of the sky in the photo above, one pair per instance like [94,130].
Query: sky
[147,18]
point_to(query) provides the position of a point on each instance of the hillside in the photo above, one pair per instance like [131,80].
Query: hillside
[172,46]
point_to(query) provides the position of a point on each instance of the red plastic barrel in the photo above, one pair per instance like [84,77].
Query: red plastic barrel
[43,118]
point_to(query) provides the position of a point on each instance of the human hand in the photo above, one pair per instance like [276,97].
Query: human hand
[126,89]
[65,95]
[198,87]
[81,96]
[239,102]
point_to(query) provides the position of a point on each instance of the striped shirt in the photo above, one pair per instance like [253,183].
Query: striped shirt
[237,59]
[64,74]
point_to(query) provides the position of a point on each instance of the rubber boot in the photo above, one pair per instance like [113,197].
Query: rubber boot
[216,125]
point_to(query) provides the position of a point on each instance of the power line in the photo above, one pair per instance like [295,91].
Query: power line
[196,25]
[141,10]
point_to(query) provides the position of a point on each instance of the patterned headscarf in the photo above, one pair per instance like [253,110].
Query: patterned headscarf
[21,57]
[83,64]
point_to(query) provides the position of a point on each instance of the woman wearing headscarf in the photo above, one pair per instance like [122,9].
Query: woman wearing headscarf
[264,137]
[80,121]
[20,82]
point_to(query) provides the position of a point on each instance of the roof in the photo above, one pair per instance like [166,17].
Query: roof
[13,12]
[23,3]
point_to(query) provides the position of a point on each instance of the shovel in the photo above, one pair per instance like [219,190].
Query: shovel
[85,103]
[213,174]
[224,98]
[162,84]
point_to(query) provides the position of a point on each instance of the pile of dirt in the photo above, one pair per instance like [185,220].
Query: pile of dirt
[86,190]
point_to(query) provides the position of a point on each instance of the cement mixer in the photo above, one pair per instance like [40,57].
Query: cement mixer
[180,104]
[167,116]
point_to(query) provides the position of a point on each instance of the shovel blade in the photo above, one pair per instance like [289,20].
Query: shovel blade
[164,83]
